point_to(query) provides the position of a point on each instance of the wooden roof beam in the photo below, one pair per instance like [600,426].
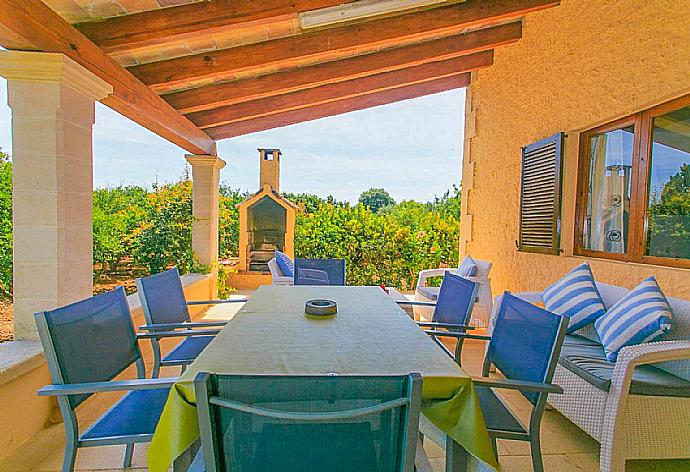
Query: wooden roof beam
[343,90]
[36,24]
[328,44]
[230,93]
[147,28]
[335,108]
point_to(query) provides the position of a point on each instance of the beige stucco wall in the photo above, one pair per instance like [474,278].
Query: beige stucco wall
[578,65]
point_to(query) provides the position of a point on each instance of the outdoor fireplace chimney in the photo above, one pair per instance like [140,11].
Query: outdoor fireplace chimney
[267,219]
[269,172]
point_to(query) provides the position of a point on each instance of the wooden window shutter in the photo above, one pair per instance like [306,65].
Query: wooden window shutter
[540,196]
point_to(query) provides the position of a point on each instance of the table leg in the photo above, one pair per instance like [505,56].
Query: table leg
[457,458]
[182,463]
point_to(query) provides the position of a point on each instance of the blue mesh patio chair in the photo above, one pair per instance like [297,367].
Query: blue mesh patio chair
[319,271]
[452,311]
[524,346]
[165,309]
[87,344]
[307,424]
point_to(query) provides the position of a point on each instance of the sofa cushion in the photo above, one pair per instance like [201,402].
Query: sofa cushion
[586,359]
[287,265]
[575,296]
[467,268]
[641,316]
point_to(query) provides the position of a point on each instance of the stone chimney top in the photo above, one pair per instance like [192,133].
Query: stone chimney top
[269,170]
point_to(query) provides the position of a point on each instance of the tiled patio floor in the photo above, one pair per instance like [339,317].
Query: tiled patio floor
[565,447]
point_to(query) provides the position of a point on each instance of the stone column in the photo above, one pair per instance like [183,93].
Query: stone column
[205,194]
[52,101]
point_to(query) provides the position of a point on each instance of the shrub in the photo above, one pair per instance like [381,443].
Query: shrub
[5,226]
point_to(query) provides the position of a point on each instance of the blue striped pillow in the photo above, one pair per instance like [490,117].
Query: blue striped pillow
[639,317]
[287,266]
[575,296]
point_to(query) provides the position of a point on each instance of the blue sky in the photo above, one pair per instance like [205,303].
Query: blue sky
[413,149]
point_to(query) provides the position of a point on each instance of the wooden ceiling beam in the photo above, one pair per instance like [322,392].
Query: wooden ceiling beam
[229,93]
[147,28]
[335,108]
[332,44]
[339,91]
[36,24]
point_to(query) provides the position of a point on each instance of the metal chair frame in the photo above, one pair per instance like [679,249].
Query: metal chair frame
[207,458]
[186,325]
[541,388]
[434,328]
[316,276]
[61,390]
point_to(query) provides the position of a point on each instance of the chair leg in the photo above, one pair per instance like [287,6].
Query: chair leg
[156,359]
[70,456]
[537,463]
[129,452]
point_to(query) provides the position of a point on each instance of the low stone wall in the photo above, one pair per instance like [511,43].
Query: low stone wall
[29,423]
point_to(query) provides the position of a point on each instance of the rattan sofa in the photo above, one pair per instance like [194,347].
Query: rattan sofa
[637,408]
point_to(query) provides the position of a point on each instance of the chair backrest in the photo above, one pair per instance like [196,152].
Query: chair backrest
[526,341]
[162,298]
[319,271]
[293,423]
[92,340]
[456,298]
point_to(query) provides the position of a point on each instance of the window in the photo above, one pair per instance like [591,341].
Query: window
[634,188]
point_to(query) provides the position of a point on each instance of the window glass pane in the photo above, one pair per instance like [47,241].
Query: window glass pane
[668,223]
[608,196]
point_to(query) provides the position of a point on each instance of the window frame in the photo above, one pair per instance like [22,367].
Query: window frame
[639,195]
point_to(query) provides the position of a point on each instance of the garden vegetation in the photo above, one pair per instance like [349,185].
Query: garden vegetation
[139,231]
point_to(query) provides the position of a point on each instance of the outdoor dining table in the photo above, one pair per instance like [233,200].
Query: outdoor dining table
[370,335]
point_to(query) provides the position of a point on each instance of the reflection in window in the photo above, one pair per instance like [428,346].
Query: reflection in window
[668,223]
[608,197]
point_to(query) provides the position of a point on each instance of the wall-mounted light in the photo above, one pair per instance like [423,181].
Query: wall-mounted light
[358,10]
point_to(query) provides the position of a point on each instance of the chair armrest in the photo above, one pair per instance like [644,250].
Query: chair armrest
[532,297]
[452,334]
[520,385]
[178,334]
[630,357]
[414,303]
[238,299]
[191,324]
[426,273]
[433,324]
[112,386]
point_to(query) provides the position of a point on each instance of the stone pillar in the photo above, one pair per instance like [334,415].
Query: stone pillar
[52,101]
[206,180]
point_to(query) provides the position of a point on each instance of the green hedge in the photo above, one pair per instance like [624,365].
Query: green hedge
[151,228]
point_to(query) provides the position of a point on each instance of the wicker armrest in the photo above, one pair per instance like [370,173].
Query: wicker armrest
[630,357]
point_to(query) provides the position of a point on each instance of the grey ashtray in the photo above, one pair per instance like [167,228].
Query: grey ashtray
[320,308]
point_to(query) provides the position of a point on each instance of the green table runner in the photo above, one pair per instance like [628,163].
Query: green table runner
[370,335]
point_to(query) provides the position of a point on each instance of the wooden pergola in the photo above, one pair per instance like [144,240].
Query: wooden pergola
[195,72]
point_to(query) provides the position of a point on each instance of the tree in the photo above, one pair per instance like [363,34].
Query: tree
[669,217]
[375,199]
[5,225]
